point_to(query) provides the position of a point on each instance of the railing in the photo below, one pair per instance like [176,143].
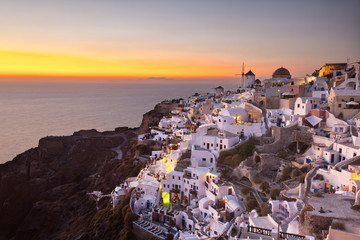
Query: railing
[287,235]
[268,232]
[261,231]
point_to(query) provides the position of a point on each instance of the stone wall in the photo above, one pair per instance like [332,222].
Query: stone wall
[282,138]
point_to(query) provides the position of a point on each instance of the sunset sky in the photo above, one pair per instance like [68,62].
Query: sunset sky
[174,39]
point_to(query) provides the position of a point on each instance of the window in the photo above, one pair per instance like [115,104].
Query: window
[179,177]
[219,120]
[173,185]
[212,144]
[211,160]
[224,120]
[339,105]
[340,150]
[173,177]
[341,129]
[298,105]
[204,159]
[204,144]
[354,155]
[220,141]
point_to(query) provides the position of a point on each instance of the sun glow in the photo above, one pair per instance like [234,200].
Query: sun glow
[14,63]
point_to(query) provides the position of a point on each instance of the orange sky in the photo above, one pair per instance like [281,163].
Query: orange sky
[28,64]
[181,39]
[16,63]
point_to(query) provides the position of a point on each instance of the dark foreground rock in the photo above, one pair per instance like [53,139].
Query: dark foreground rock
[43,191]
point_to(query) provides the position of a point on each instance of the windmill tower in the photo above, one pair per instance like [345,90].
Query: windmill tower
[242,80]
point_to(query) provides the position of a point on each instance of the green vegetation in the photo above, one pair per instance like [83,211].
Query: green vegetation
[295,173]
[338,225]
[305,169]
[265,210]
[225,173]
[265,187]
[275,193]
[235,156]
[301,179]
[250,203]
[283,154]
[169,236]
[257,180]
[286,173]
[244,190]
[114,219]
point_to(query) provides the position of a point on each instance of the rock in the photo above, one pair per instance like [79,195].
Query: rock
[87,133]
[43,190]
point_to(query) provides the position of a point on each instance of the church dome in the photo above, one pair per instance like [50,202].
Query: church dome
[281,73]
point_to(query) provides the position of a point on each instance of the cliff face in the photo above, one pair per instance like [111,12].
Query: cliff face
[153,117]
[43,191]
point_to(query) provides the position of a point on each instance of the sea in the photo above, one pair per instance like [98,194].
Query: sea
[30,111]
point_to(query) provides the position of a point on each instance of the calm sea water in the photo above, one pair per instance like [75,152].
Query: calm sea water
[29,112]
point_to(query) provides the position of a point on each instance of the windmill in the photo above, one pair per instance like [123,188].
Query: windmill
[242,82]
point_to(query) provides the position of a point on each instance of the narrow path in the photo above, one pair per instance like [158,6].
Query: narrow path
[118,151]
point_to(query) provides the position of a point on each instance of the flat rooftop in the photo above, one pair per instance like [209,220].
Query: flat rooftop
[330,204]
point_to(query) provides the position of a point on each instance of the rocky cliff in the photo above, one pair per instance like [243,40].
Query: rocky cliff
[44,191]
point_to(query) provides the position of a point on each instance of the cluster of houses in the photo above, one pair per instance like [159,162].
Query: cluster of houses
[180,190]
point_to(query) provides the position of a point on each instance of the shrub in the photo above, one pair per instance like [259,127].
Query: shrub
[295,173]
[251,204]
[257,180]
[338,225]
[304,169]
[286,173]
[283,154]
[301,179]
[235,156]
[275,193]
[265,186]
[244,190]
[169,236]
[265,210]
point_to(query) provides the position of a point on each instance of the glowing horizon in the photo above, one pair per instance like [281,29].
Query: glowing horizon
[187,39]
